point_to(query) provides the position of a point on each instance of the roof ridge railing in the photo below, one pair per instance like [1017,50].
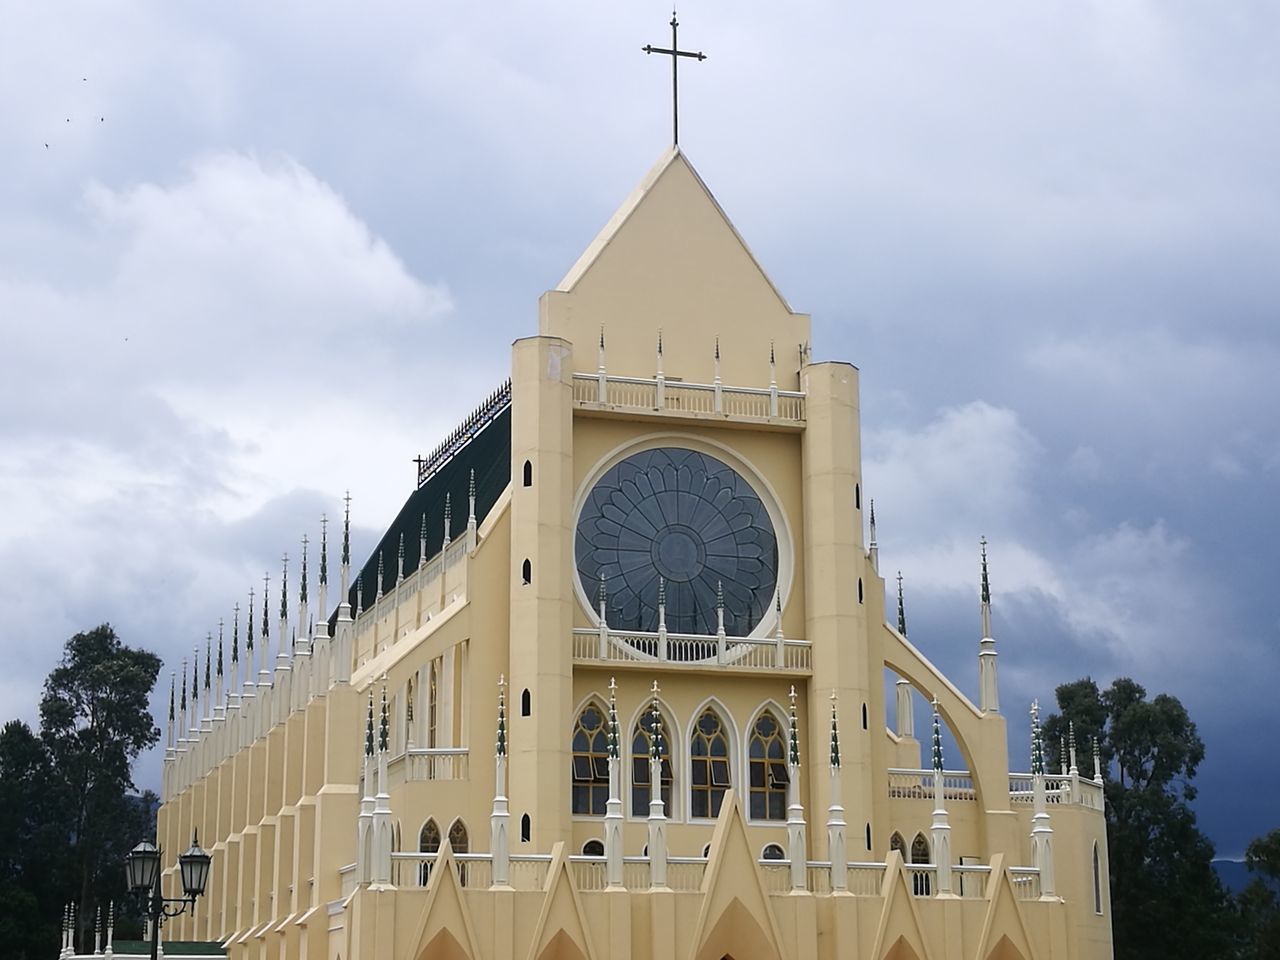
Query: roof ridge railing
[475,421]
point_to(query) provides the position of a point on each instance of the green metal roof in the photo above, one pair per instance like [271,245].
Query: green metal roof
[488,452]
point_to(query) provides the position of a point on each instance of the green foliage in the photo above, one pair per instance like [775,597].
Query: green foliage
[1166,899]
[67,816]
[1259,902]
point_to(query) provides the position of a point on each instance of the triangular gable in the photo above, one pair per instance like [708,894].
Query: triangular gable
[445,911]
[1004,917]
[561,916]
[899,917]
[672,164]
[734,902]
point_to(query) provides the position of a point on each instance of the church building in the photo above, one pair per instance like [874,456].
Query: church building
[621,681]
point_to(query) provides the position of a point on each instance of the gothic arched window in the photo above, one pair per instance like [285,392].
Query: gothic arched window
[897,843]
[590,763]
[920,882]
[458,837]
[641,744]
[428,842]
[526,828]
[769,777]
[708,765]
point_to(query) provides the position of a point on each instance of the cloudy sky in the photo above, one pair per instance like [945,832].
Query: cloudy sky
[253,254]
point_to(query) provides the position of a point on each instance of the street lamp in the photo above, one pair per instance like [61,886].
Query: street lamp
[142,868]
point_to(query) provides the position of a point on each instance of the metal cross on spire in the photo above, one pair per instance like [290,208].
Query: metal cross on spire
[675,53]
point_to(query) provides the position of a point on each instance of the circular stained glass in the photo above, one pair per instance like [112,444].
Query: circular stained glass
[687,521]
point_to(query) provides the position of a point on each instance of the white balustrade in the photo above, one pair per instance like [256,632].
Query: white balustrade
[641,393]
[685,873]
[865,879]
[643,648]
[907,784]
[436,763]
[971,881]
[590,873]
[922,878]
[1026,882]
[529,870]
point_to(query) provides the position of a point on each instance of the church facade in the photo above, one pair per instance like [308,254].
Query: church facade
[619,679]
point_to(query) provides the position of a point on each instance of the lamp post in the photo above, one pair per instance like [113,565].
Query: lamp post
[142,867]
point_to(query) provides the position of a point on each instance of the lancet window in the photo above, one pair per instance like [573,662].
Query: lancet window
[433,704]
[769,776]
[428,842]
[590,787]
[641,786]
[708,765]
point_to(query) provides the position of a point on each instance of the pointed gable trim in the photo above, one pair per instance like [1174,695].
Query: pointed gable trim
[670,157]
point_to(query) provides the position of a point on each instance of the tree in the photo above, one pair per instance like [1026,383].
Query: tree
[1165,896]
[1259,902]
[67,813]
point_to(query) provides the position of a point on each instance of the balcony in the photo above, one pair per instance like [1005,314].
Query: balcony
[682,651]
[667,398]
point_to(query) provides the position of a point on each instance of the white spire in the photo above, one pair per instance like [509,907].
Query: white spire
[796,845]
[988,680]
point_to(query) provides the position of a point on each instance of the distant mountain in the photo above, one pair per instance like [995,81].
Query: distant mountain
[1233,874]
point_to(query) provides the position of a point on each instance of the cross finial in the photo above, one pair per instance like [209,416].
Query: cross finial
[172,684]
[302,588]
[346,529]
[266,602]
[324,552]
[675,53]
[248,641]
[219,646]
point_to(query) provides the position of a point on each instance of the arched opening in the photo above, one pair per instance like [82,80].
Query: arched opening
[528,473]
[768,775]
[433,704]
[868,836]
[857,496]
[706,851]
[641,785]
[593,848]
[526,828]
[864,716]
[526,572]
[526,703]
[590,773]
[773,851]
[708,765]
[897,843]
[920,882]
[459,843]
[410,692]
[859,589]
[428,842]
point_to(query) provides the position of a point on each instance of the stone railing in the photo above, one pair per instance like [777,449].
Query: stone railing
[641,649]
[662,396]
[421,764]
[1058,789]
[907,784]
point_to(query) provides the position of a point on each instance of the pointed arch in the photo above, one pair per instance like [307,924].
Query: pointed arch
[526,828]
[767,773]
[920,849]
[641,744]
[710,760]
[1097,880]
[428,842]
[921,885]
[589,768]
[897,843]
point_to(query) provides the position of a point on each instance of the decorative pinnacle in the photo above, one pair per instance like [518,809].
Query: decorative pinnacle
[1037,745]
[360,593]
[368,731]
[448,511]
[662,591]
[346,529]
[719,595]
[835,733]
[902,610]
[266,602]
[384,724]
[219,674]
[602,336]
[284,588]
[772,360]
[324,551]
[659,341]
[235,634]
[400,557]
[937,737]
[208,660]
[1062,755]
[422,536]
[601,593]
[986,583]
[195,680]
[184,684]
[471,485]
[872,504]
[655,741]
[613,736]
[1097,761]
[380,573]
[1071,733]
[173,680]
[501,748]
[248,642]
[793,733]
[302,588]
[717,347]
